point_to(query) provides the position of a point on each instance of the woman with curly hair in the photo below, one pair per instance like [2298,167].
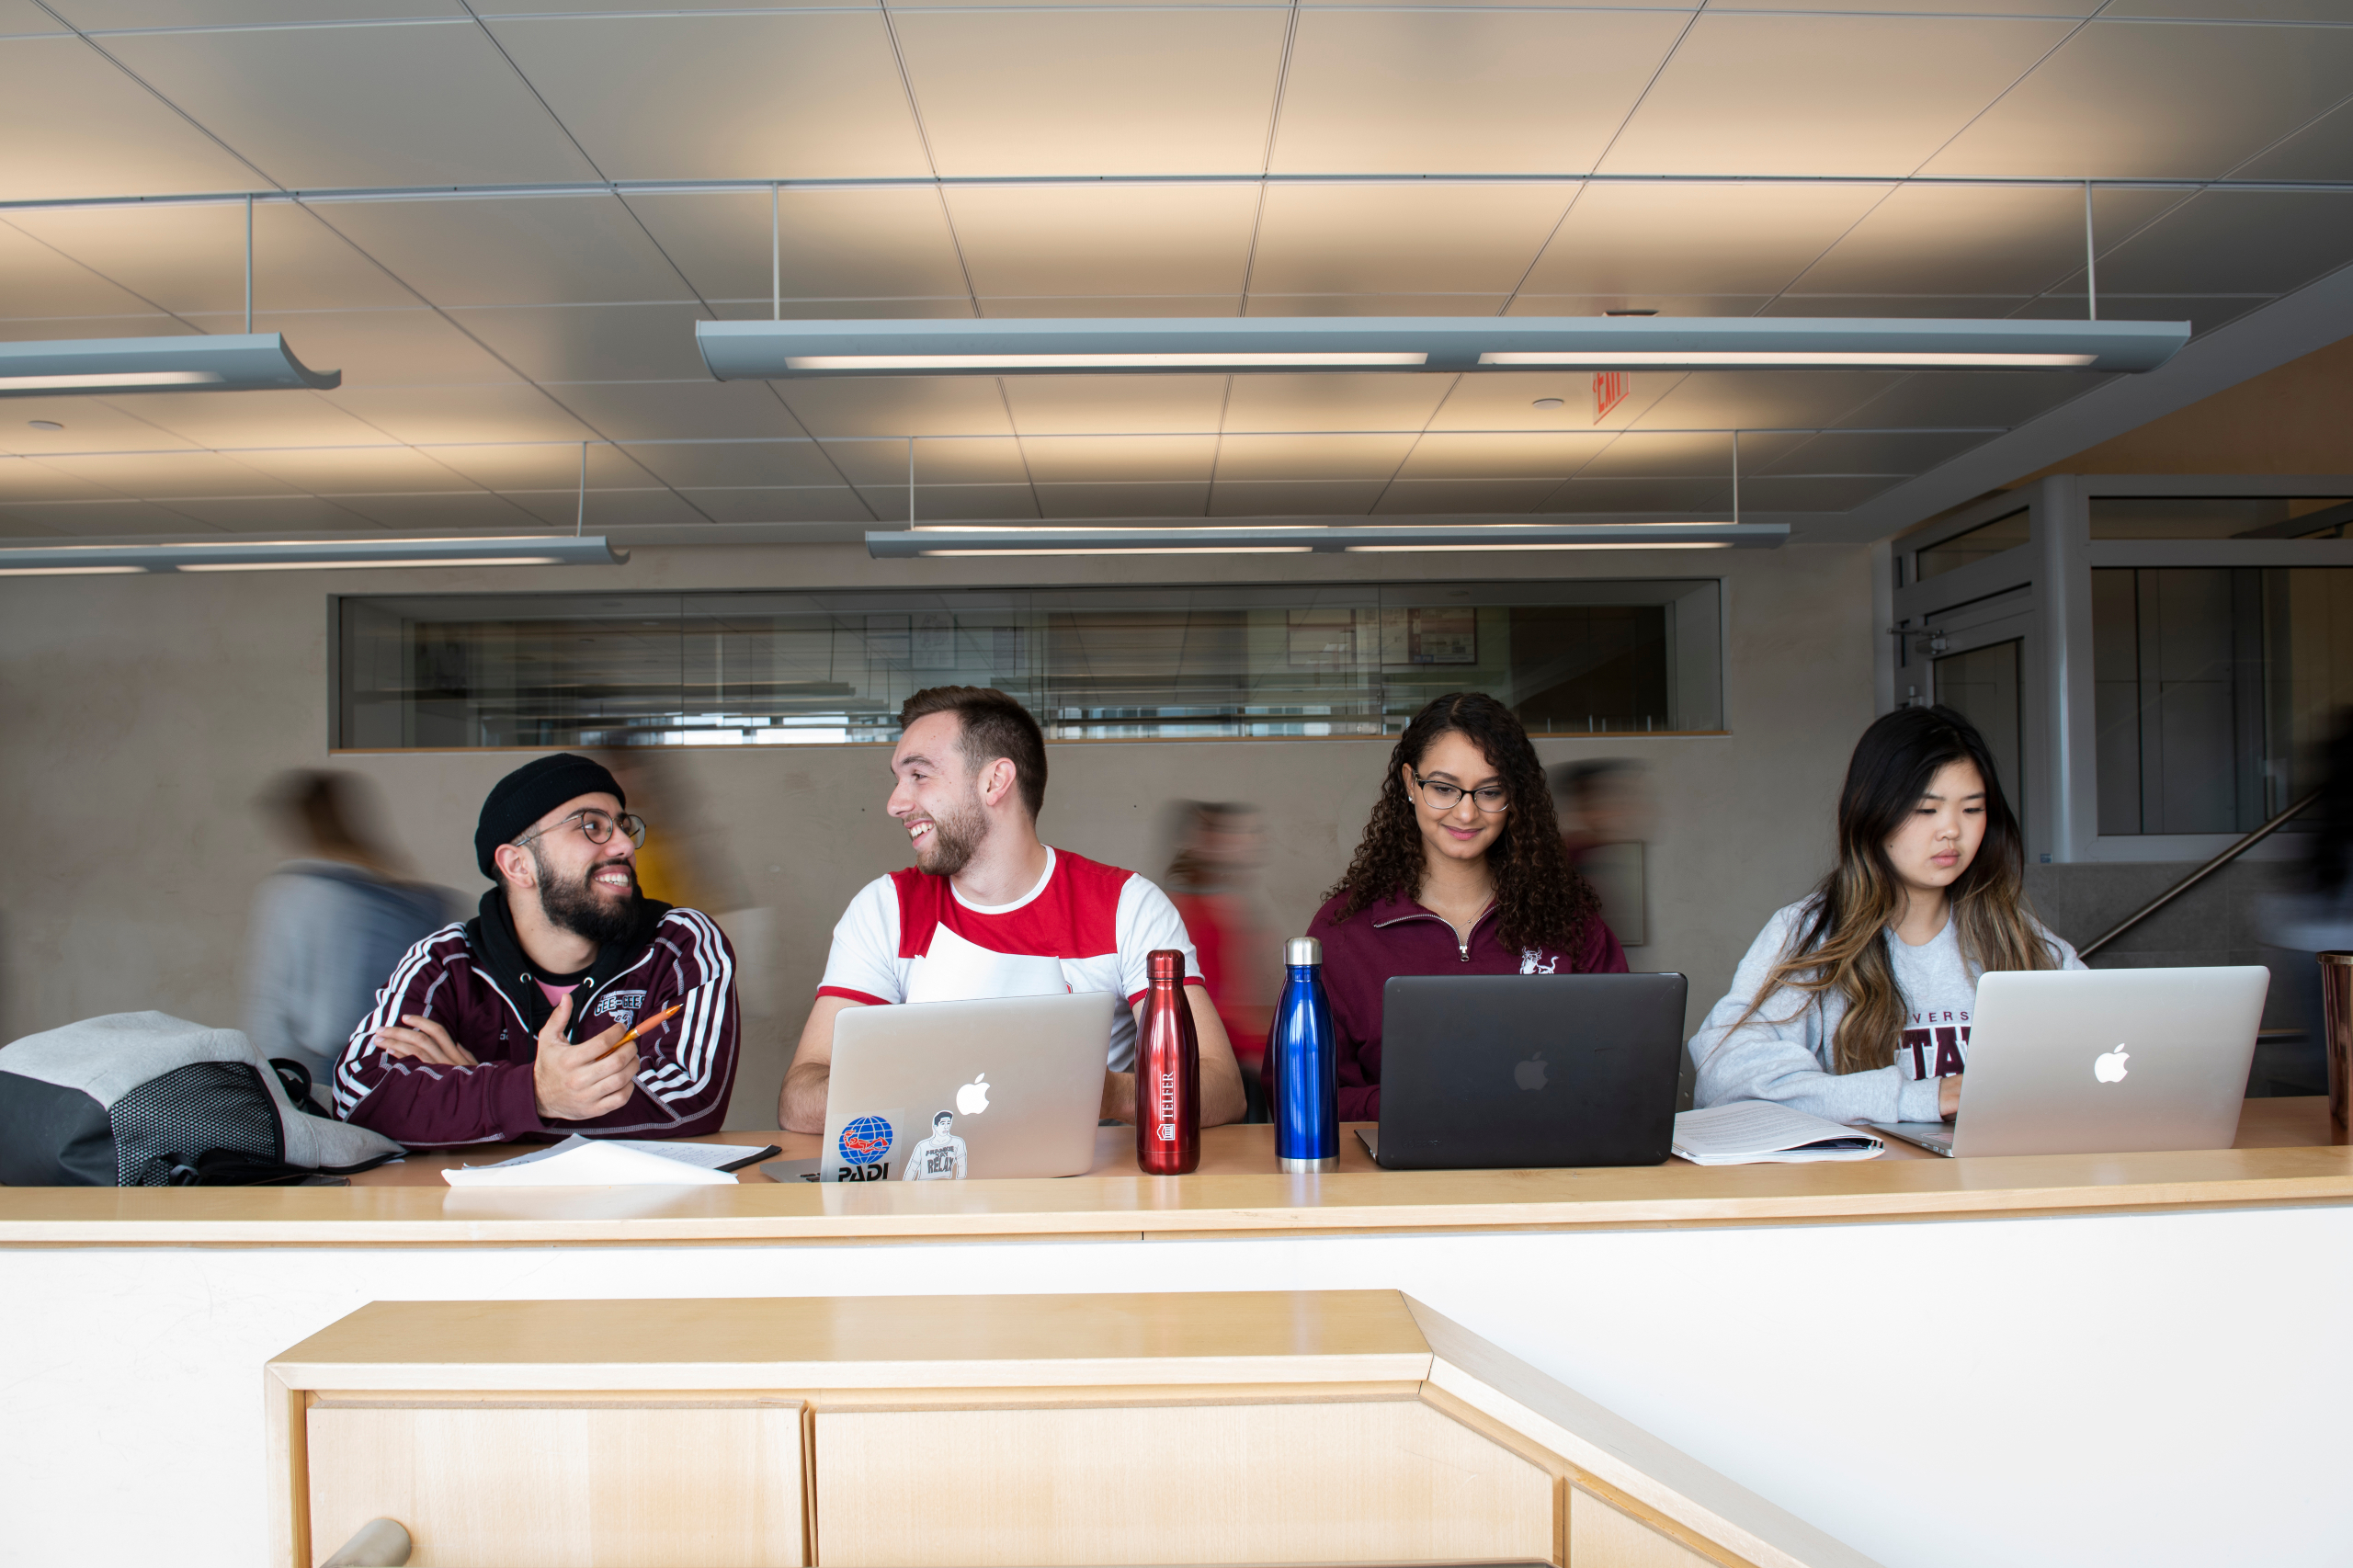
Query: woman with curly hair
[1460,872]
[1853,1003]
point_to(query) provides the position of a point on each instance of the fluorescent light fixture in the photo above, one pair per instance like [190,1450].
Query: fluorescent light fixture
[776,350]
[1755,359]
[253,362]
[297,555]
[1273,536]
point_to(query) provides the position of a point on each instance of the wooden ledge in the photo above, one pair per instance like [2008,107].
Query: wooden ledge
[2281,1161]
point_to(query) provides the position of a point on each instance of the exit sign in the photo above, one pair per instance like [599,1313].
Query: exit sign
[1609,389]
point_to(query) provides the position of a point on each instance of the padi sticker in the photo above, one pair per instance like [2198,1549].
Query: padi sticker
[864,1144]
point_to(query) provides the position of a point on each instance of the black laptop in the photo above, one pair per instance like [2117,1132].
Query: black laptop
[1527,1071]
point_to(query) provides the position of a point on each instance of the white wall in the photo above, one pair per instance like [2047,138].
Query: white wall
[144,713]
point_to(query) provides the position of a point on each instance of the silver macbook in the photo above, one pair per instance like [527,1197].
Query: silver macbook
[2099,1062]
[953,1091]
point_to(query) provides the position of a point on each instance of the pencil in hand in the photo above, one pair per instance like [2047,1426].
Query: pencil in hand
[645,1025]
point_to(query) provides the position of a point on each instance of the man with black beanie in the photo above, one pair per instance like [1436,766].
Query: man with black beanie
[511,1025]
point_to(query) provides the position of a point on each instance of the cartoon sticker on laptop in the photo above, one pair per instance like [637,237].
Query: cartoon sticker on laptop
[940,1157]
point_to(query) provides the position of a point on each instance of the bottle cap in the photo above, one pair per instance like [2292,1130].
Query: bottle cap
[1302,950]
[1165,963]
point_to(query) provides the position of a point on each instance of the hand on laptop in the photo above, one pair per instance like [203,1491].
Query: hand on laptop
[1949,1096]
[574,1082]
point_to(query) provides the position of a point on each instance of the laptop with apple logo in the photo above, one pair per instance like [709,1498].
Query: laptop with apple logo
[1486,1071]
[2102,1062]
[961,1091]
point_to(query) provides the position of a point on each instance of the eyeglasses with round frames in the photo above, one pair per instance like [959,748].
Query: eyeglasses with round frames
[594,826]
[1444,798]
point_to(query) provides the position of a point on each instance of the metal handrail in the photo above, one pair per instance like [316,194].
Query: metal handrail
[2196,877]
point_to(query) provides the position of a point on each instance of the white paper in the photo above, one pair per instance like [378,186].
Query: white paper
[1762,1131]
[591,1161]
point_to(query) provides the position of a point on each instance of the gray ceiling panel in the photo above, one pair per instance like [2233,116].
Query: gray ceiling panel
[99,132]
[1141,499]
[1322,457]
[1994,241]
[873,245]
[1861,94]
[1631,241]
[1439,497]
[336,106]
[2234,242]
[1392,91]
[567,250]
[1111,92]
[775,97]
[99,15]
[1403,239]
[1293,498]
[2117,100]
[1112,240]
[2321,149]
[597,343]
[648,411]
[191,260]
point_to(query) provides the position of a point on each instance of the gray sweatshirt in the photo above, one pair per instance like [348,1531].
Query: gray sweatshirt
[1784,1052]
[325,935]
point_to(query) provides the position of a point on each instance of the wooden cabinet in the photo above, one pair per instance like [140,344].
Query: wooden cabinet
[998,1431]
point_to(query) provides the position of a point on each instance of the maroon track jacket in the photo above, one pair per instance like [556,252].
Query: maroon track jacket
[474,980]
[1397,935]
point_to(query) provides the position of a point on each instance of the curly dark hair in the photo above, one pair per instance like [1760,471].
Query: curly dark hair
[1540,899]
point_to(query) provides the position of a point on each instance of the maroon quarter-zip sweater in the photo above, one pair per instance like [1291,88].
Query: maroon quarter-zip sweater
[1397,935]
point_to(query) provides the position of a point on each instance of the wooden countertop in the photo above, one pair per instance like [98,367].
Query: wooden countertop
[2283,1158]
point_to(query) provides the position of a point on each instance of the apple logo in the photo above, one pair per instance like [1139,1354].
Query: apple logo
[1529,1074]
[974,1098]
[2108,1066]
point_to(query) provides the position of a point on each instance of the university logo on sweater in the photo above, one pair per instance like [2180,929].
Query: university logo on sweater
[1934,1043]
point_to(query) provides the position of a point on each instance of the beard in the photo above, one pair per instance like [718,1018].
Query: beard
[956,838]
[580,908]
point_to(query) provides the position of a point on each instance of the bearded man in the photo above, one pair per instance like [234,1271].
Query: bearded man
[510,1026]
[987,910]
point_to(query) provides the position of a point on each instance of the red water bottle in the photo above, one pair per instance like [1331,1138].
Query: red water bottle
[1168,1071]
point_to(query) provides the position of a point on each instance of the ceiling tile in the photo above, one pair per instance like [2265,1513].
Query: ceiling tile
[1044,406]
[1389,91]
[1319,304]
[514,413]
[1812,494]
[1838,454]
[1927,7]
[253,419]
[75,125]
[1440,497]
[162,475]
[467,510]
[1632,454]
[1278,402]
[1071,459]
[345,471]
[652,410]
[386,349]
[1402,239]
[1325,458]
[951,460]
[593,343]
[191,260]
[275,513]
[92,425]
[2004,399]
[1856,95]
[815,504]
[1670,496]
[344,107]
[2204,312]
[1293,498]
[12,526]
[1977,307]
[1064,502]
[101,519]
[2233,243]
[775,95]
[2231,10]
[976,503]
[29,478]
[862,244]
[1114,91]
[1096,306]
[2111,101]
[2321,149]
[42,281]
[1507,399]
[1530,455]
[99,15]
[1723,400]
[1105,239]
[50,329]
[899,405]
[732,465]
[1993,241]
[1629,240]
[568,250]
[1533,304]
[22,18]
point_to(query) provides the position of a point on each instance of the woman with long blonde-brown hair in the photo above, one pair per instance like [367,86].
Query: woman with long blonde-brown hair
[1854,1003]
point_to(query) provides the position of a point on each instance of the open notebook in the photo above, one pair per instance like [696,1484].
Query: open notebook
[614,1161]
[1752,1132]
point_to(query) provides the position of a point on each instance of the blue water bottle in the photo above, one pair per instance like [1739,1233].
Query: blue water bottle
[1306,1061]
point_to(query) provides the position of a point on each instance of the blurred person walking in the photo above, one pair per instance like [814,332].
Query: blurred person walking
[329,925]
[1217,851]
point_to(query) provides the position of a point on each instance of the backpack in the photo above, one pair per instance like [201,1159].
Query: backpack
[145,1100]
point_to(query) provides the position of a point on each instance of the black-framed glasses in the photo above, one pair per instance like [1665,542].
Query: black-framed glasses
[595,827]
[1444,797]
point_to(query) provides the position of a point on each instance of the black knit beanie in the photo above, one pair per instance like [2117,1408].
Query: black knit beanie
[530,792]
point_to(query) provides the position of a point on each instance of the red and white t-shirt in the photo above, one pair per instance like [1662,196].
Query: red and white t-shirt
[910,936]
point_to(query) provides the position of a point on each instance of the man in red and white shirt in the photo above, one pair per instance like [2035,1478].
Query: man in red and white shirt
[987,910]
